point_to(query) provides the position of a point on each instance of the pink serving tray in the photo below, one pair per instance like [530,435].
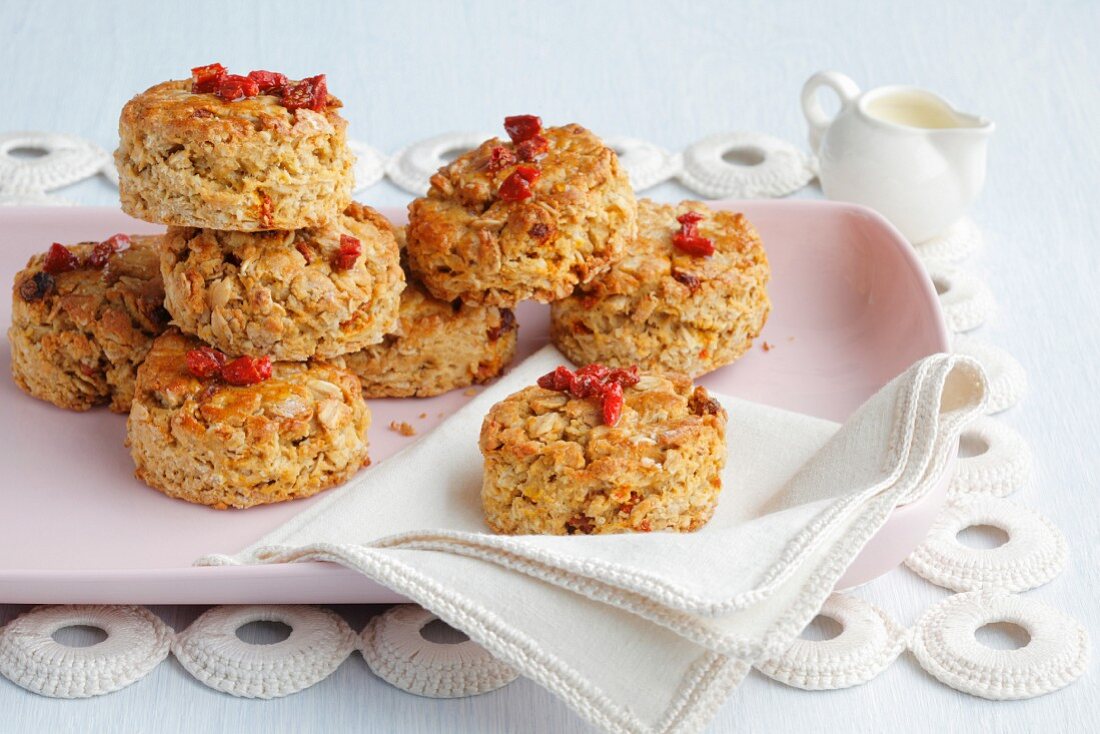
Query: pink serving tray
[852,309]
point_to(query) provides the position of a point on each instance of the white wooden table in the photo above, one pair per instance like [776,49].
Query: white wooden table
[672,76]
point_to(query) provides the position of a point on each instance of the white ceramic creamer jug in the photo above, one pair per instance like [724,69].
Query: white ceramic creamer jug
[902,151]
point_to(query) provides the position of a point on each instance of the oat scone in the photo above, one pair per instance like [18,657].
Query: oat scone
[529,219]
[315,292]
[235,438]
[437,346]
[666,308]
[83,318]
[555,463]
[196,159]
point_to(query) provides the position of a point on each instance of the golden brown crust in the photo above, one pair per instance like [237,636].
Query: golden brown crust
[438,346]
[81,344]
[464,242]
[666,310]
[553,467]
[278,294]
[299,432]
[195,160]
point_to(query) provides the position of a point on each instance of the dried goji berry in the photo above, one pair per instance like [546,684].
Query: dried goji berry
[691,280]
[594,381]
[234,87]
[60,259]
[310,93]
[688,238]
[269,82]
[688,219]
[522,127]
[532,148]
[305,251]
[204,79]
[695,245]
[102,252]
[517,186]
[612,406]
[246,370]
[625,376]
[500,158]
[349,251]
[580,524]
[205,362]
[561,379]
[507,323]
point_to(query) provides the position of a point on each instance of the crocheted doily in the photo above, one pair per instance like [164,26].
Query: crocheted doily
[868,642]
[734,165]
[995,462]
[1000,465]
[1034,553]
[397,651]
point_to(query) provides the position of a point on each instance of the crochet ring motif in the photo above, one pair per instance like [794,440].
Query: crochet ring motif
[212,652]
[1007,379]
[137,641]
[945,646]
[745,165]
[868,643]
[1034,553]
[398,653]
[1002,462]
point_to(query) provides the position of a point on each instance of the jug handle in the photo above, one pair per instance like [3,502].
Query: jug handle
[818,122]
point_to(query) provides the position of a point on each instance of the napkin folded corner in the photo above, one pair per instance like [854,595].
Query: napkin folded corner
[645,633]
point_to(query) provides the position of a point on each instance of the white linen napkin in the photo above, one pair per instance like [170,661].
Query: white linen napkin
[644,632]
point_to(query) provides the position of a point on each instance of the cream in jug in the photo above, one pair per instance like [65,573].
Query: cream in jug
[902,151]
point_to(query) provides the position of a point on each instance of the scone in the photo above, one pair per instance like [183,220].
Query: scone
[315,292]
[83,318]
[668,305]
[241,432]
[222,160]
[603,451]
[530,219]
[437,346]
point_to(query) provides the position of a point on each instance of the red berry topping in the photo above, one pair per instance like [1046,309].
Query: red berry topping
[234,87]
[517,186]
[522,127]
[625,376]
[345,257]
[102,252]
[60,259]
[594,381]
[695,245]
[612,403]
[688,238]
[310,93]
[560,380]
[204,79]
[500,157]
[688,219]
[532,148]
[270,82]
[205,362]
[244,371]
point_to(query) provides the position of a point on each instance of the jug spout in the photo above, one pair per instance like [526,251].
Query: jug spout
[967,139]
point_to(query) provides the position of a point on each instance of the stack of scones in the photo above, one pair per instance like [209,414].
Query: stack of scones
[244,341]
[270,272]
